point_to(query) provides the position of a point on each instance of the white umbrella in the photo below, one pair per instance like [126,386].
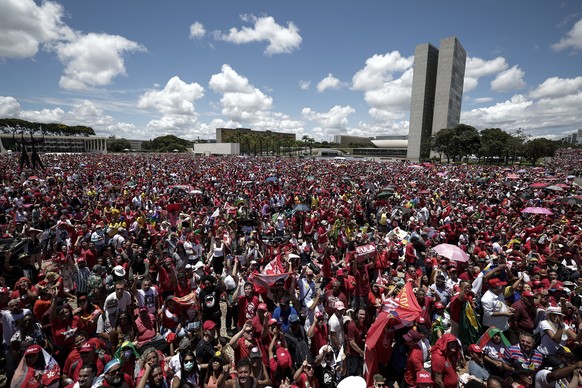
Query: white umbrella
[352,382]
[451,252]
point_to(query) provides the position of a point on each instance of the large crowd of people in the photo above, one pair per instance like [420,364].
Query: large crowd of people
[170,270]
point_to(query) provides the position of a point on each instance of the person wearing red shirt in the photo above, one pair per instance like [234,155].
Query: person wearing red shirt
[147,326]
[247,304]
[304,376]
[88,356]
[355,344]
[362,286]
[64,326]
[167,277]
[445,354]
[415,359]
[318,333]
[243,341]
[333,295]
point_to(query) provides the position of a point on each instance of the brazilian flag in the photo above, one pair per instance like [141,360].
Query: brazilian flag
[469,326]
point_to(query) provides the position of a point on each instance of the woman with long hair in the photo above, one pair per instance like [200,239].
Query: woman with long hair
[189,371]
[215,370]
[125,327]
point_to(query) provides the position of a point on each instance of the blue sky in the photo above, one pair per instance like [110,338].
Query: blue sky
[140,69]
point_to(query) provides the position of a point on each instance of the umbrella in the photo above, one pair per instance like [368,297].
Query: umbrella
[451,252]
[424,191]
[33,178]
[512,176]
[537,210]
[271,179]
[301,208]
[538,185]
[385,194]
[555,188]
[522,171]
[571,201]
[195,192]
[309,178]
[563,185]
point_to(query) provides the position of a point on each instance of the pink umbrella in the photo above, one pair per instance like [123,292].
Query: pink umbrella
[537,210]
[512,176]
[451,252]
[538,185]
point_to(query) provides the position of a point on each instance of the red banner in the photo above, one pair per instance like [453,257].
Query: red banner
[364,252]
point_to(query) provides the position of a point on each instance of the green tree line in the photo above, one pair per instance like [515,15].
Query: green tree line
[18,126]
[490,145]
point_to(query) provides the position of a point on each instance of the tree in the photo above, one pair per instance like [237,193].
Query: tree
[440,142]
[494,143]
[308,141]
[18,126]
[458,142]
[168,143]
[539,148]
[118,145]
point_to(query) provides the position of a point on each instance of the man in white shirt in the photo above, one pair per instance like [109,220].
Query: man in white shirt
[495,311]
[336,327]
[123,297]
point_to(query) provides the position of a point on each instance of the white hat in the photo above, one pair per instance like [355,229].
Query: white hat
[188,266]
[198,265]
[554,310]
[119,271]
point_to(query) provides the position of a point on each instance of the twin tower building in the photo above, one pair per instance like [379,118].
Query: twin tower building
[437,92]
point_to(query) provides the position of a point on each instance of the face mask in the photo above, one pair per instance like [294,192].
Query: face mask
[188,365]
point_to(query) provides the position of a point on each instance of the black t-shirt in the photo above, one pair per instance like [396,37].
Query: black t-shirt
[210,301]
[326,376]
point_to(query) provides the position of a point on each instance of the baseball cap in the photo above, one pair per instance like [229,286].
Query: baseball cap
[293,318]
[3,290]
[339,305]
[87,347]
[273,321]
[283,358]
[439,305]
[284,300]
[527,293]
[318,315]
[412,335]
[208,325]
[423,377]
[255,353]
[32,349]
[496,282]
[262,306]
[339,272]
[475,348]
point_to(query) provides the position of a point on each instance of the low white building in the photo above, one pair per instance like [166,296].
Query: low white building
[217,148]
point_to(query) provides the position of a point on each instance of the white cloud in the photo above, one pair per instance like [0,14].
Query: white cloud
[335,119]
[511,79]
[379,69]
[93,60]
[392,96]
[476,68]
[329,82]
[557,87]
[240,100]
[304,85]
[281,40]
[55,115]
[177,98]
[197,30]
[176,103]
[9,107]
[573,38]
[24,26]
[482,100]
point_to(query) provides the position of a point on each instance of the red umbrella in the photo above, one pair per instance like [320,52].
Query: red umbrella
[538,185]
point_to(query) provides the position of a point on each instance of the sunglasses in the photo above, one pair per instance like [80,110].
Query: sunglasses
[308,367]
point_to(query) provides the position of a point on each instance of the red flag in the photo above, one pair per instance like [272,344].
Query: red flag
[408,308]
[379,344]
[265,281]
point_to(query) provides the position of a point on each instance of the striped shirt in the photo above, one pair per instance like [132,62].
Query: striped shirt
[514,354]
[80,280]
